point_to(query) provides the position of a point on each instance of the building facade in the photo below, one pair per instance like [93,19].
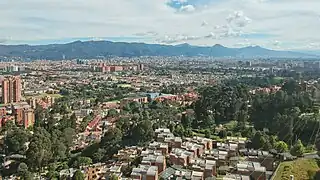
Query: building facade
[11,90]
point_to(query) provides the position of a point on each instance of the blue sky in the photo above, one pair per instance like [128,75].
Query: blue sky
[275,24]
[177,4]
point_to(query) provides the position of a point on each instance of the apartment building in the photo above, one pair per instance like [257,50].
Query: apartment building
[145,172]
[196,149]
[208,167]
[163,147]
[253,169]
[24,114]
[181,157]
[155,160]
[11,89]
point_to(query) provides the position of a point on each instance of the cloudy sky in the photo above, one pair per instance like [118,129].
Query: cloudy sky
[275,24]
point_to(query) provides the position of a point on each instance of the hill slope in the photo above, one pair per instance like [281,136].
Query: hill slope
[93,49]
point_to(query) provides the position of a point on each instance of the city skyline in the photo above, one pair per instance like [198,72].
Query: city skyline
[272,24]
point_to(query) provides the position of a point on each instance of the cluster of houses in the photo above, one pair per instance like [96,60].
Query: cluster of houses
[199,158]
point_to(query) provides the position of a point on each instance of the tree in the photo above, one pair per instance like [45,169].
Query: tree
[9,126]
[68,136]
[297,149]
[84,123]
[27,176]
[16,140]
[186,121]
[124,125]
[111,141]
[82,161]
[39,114]
[208,121]
[63,108]
[99,155]
[273,141]
[39,152]
[146,115]
[135,107]
[222,134]
[59,151]
[207,133]
[114,177]
[52,175]
[112,113]
[281,146]
[64,123]
[179,131]
[248,132]
[73,121]
[51,122]
[22,169]
[318,145]
[260,141]
[78,175]
[143,132]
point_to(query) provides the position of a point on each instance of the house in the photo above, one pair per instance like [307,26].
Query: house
[145,172]
[236,177]
[196,149]
[253,169]
[155,160]
[208,167]
[163,147]
[207,143]
[173,142]
[181,157]
[127,153]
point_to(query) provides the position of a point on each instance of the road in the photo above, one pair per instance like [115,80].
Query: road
[311,156]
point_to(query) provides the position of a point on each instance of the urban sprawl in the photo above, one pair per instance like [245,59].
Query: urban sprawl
[151,118]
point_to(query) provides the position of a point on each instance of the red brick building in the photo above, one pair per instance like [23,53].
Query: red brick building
[11,90]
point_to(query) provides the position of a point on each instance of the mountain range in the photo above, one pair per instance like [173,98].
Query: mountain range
[94,49]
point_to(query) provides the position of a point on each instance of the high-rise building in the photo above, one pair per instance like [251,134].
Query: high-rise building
[5,91]
[141,67]
[23,114]
[28,117]
[11,90]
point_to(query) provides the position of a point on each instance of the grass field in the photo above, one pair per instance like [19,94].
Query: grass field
[299,168]
[45,94]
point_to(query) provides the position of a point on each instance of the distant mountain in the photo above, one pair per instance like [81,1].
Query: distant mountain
[93,49]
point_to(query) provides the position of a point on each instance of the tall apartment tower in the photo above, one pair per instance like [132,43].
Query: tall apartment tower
[141,67]
[11,90]
[5,91]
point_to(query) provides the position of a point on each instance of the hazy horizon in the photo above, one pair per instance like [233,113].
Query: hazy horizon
[279,25]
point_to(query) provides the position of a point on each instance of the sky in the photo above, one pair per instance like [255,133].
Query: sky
[274,24]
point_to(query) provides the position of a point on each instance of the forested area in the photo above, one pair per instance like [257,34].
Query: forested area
[289,116]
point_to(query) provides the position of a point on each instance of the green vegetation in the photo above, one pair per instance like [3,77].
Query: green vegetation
[78,175]
[124,85]
[42,95]
[301,169]
[287,121]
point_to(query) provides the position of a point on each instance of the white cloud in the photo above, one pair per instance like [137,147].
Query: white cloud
[180,1]
[149,33]
[204,23]
[294,23]
[187,8]
[276,43]
[178,38]
[211,35]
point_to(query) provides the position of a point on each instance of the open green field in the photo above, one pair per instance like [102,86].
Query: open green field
[124,85]
[45,94]
[299,168]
